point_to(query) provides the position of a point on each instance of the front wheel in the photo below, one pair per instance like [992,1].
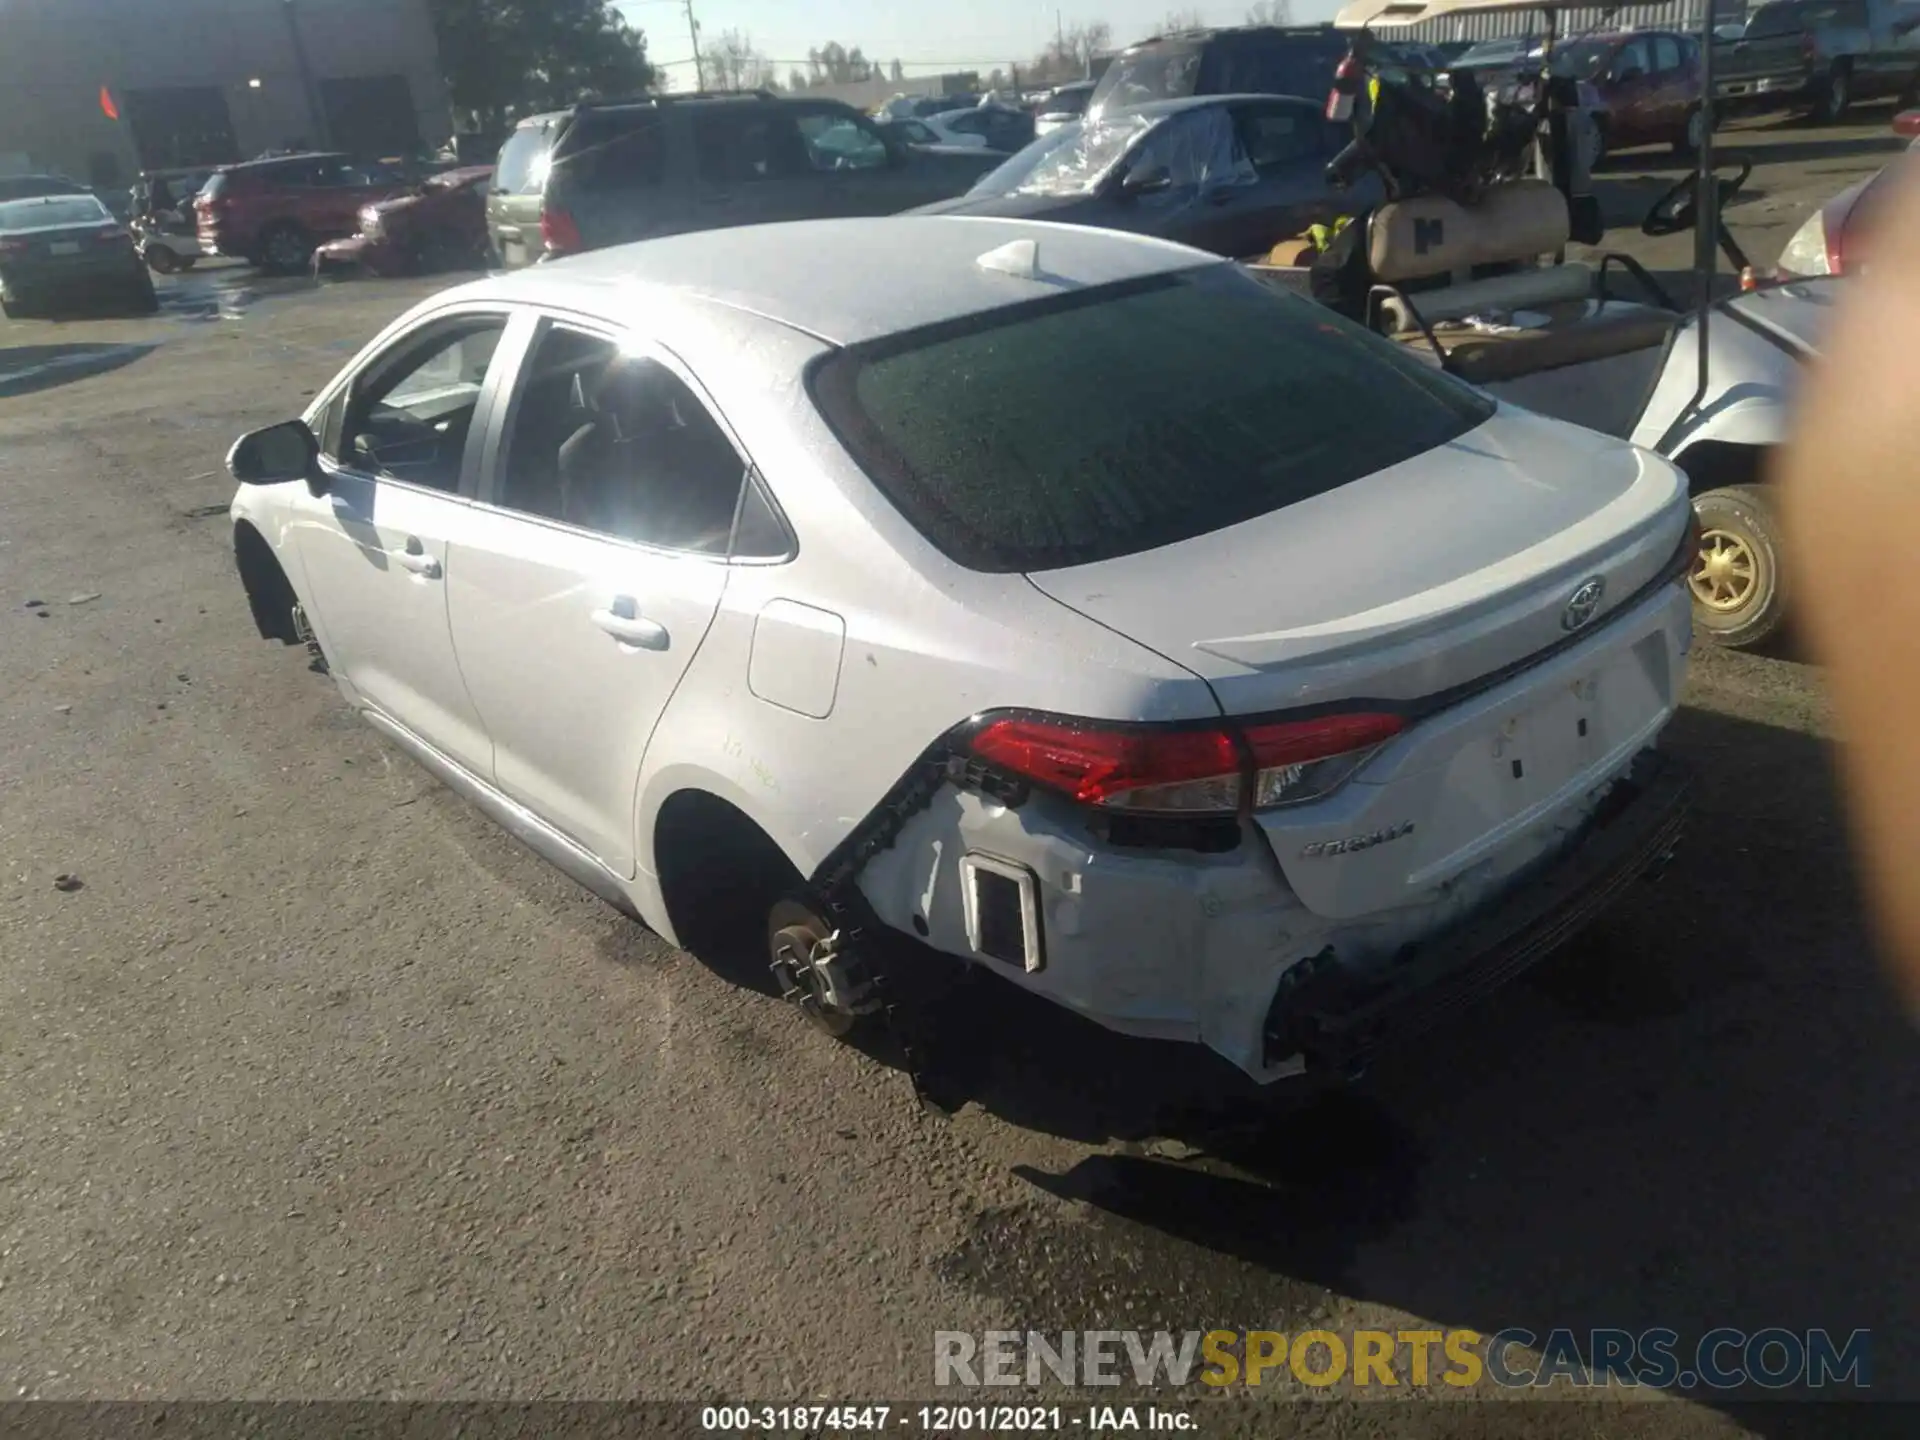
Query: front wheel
[1738,595]
[161,258]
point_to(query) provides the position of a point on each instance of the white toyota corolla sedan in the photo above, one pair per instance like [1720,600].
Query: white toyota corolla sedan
[1064,601]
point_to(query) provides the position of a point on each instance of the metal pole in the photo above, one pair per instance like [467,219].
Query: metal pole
[321,135]
[693,32]
[1706,198]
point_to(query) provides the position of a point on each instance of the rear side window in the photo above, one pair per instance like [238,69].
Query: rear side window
[1110,421]
[1158,72]
[615,148]
[520,169]
[616,443]
[1300,66]
[1277,137]
[737,145]
[1772,21]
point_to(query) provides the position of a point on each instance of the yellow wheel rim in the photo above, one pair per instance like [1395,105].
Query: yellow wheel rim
[1726,571]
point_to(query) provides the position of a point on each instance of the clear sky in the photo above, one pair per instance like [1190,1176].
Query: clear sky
[927,35]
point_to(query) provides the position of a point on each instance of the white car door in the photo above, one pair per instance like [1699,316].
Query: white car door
[591,574]
[400,475]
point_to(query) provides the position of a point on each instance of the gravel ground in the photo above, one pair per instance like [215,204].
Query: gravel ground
[320,1087]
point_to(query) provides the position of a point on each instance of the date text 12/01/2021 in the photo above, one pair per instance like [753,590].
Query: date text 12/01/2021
[943,1419]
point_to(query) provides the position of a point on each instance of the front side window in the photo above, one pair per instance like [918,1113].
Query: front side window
[839,142]
[615,442]
[1632,63]
[1115,420]
[740,146]
[409,415]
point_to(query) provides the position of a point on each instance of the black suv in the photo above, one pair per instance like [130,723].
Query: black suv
[1247,60]
[604,174]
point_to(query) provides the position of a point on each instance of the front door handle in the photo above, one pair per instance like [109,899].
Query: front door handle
[416,559]
[624,622]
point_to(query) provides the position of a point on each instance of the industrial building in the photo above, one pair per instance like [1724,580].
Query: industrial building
[100,89]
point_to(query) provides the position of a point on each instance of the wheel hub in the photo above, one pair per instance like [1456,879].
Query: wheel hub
[818,977]
[1725,573]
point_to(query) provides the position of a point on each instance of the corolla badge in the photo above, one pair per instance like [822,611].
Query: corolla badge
[1583,604]
[1322,848]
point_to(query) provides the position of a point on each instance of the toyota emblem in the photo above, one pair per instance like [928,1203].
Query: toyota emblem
[1583,604]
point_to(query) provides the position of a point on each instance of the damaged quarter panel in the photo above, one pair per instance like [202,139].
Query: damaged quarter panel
[926,644]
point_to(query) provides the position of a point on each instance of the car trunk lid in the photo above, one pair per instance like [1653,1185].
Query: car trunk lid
[1415,590]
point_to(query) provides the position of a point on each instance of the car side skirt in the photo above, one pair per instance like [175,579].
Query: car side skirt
[510,815]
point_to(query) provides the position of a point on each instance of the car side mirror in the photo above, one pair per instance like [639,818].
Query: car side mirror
[277,454]
[1149,181]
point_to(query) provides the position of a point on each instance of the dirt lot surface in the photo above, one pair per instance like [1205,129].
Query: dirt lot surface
[319,1086]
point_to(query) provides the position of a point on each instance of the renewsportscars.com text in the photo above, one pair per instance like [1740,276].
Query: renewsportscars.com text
[1723,1359]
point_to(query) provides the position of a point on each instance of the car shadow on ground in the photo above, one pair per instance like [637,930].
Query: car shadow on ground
[1795,152]
[25,369]
[1697,1115]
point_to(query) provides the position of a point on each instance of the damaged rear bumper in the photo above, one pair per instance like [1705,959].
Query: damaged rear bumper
[1338,1020]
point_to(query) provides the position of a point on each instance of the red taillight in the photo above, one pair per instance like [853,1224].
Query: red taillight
[13,247]
[109,235]
[559,233]
[1144,768]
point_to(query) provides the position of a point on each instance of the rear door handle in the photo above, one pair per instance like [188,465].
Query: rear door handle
[623,621]
[416,559]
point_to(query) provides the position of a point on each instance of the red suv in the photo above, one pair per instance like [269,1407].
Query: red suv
[273,213]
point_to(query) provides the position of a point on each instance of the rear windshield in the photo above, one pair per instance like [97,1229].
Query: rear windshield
[1115,420]
[515,172]
[22,187]
[59,210]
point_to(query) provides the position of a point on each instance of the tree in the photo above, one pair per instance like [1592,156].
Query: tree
[797,80]
[732,63]
[1189,18]
[504,59]
[1270,12]
[1070,54]
[896,72]
[834,64]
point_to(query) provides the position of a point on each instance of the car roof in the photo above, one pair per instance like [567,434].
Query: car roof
[1155,109]
[843,281]
[272,160]
[1210,33]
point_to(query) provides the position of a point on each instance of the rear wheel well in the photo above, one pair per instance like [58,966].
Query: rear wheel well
[720,876]
[269,593]
[1717,464]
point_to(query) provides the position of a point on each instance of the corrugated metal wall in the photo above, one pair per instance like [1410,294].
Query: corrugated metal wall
[1496,24]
